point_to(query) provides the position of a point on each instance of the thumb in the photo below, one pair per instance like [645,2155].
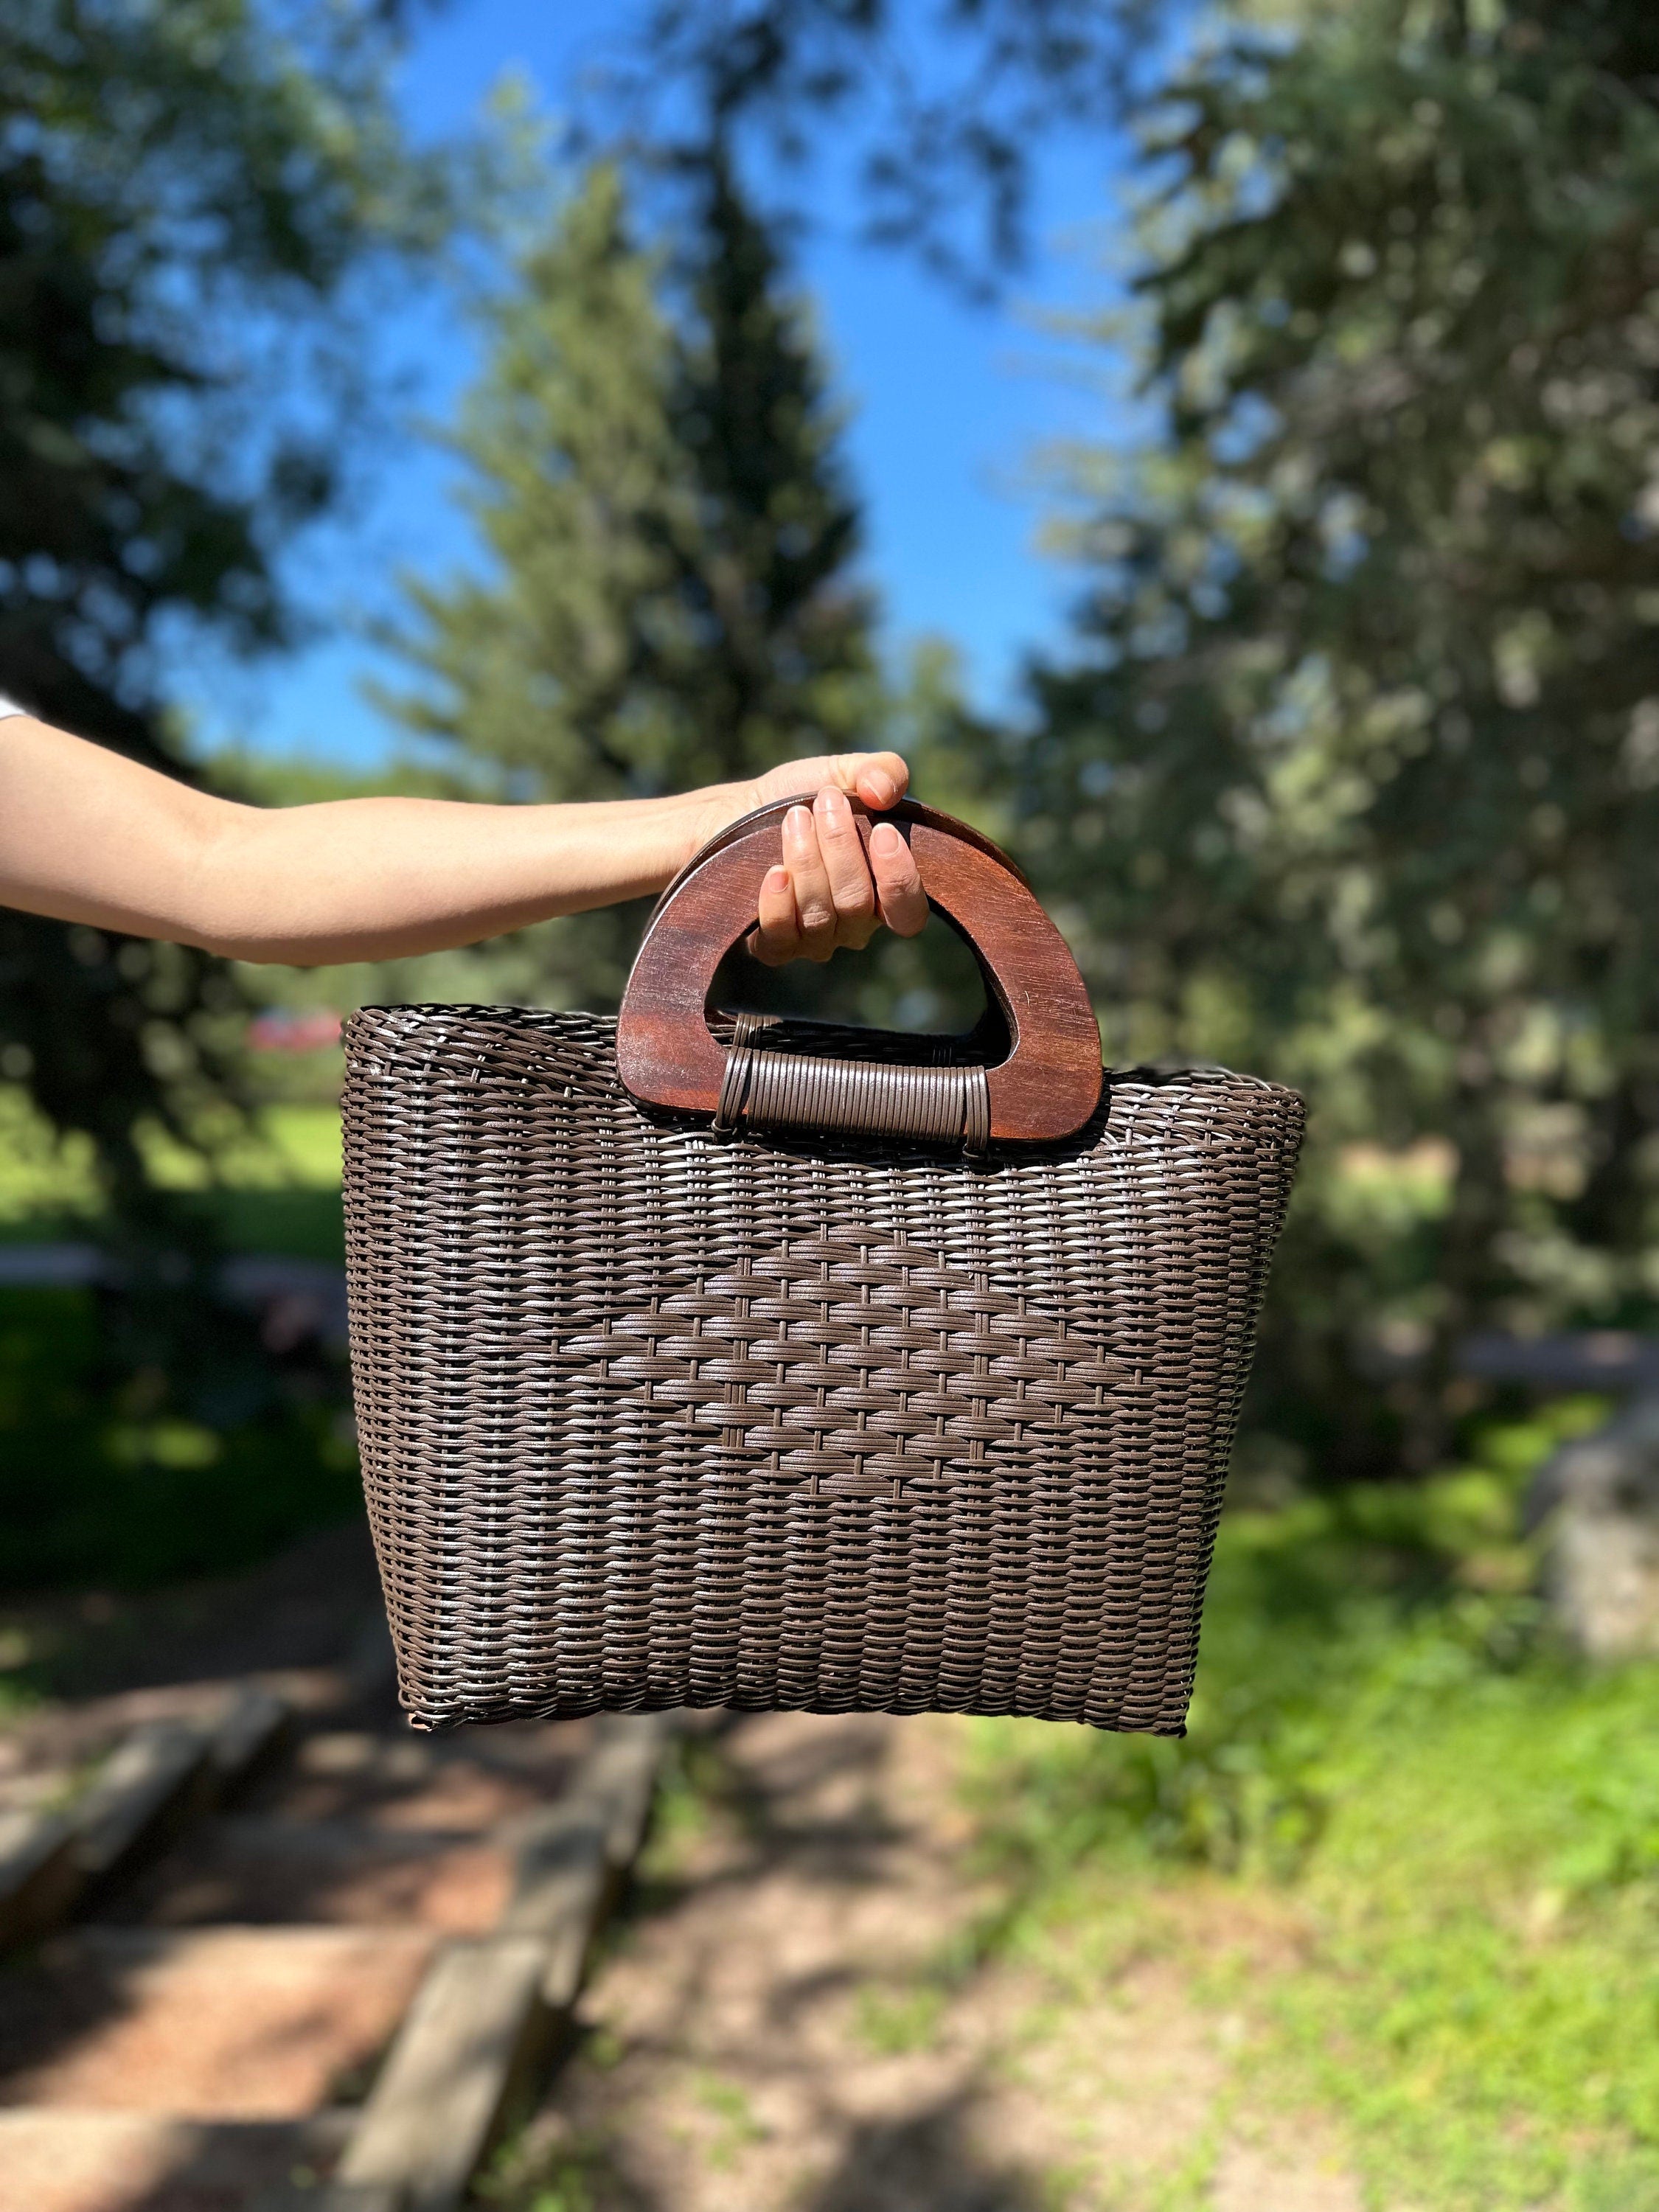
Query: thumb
[880,780]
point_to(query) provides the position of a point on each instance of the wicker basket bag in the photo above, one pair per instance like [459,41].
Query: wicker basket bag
[780,1365]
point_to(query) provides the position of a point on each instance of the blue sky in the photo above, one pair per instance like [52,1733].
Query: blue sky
[950,403]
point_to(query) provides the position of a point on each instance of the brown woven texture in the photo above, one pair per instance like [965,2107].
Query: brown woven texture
[653,1415]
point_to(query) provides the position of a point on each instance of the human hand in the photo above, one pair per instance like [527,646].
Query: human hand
[88,836]
[827,890]
[826,894]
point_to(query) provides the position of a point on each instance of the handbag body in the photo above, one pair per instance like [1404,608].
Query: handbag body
[777,1366]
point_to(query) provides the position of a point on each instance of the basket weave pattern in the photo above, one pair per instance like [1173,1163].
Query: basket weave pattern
[652,1416]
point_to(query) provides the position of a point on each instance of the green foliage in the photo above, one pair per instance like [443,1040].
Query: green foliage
[735,2126]
[108,1476]
[655,474]
[275,1188]
[890,2022]
[146,1436]
[189,191]
[673,595]
[1466,1818]
[187,188]
[574,2175]
[1318,1614]
[942,155]
[1354,776]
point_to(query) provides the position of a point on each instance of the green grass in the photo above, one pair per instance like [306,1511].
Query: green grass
[298,1223]
[1386,1737]
[274,1189]
[96,1488]
[906,2017]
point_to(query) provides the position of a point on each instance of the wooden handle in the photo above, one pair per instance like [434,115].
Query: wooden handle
[1048,1085]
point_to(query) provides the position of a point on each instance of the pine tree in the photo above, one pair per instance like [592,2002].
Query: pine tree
[1353,775]
[654,469]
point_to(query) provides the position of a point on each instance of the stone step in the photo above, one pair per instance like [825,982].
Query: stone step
[69,2161]
[479,2032]
[253,1870]
[151,1783]
[254,1727]
[211,2023]
[392,1919]
[573,1854]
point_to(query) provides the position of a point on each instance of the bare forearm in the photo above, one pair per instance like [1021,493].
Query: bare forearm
[370,878]
[88,836]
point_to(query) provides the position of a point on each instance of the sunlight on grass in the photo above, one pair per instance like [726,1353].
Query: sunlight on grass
[39,1177]
[292,1148]
[274,1188]
[890,2022]
[1465,1815]
[735,2126]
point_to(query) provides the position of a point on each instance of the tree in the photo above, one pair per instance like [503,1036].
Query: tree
[187,188]
[654,469]
[1354,772]
[937,109]
[189,191]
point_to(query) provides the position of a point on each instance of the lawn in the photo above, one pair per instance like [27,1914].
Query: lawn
[273,1188]
[101,1487]
[113,1475]
[1392,1754]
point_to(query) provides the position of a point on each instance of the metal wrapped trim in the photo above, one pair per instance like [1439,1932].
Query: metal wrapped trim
[939,1104]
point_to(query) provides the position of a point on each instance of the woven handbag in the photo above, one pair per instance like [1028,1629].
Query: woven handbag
[703,1362]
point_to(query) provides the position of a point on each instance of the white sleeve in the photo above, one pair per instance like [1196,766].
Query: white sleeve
[10,707]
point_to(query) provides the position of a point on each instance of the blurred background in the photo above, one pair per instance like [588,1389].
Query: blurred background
[1220,447]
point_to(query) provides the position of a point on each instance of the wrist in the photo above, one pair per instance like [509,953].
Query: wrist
[703,814]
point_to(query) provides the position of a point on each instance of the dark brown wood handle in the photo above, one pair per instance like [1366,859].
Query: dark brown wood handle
[1048,1085]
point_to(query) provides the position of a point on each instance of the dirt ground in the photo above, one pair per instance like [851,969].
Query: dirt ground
[797,2013]
[796,2017]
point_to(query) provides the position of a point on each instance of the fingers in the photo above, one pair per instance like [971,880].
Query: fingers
[902,902]
[880,780]
[777,936]
[840,850]
[814,899]
[796,905]
[826,895]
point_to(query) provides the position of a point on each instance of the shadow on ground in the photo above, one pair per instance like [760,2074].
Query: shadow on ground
[926,2161]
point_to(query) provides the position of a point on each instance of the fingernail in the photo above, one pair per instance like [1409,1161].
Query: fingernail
[832,802]
[881,786]
[798,821]
[777,879]
[885,841]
